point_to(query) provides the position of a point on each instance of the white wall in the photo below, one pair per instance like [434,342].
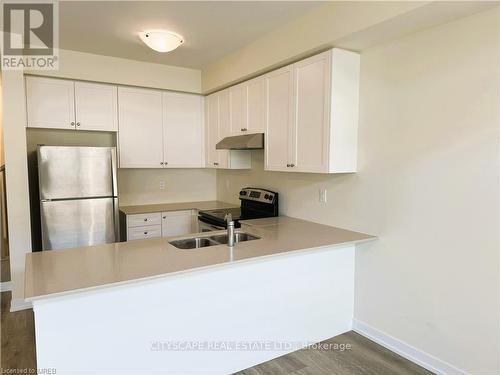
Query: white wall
[314,31]
[87,66]
[142,186]
[428,186]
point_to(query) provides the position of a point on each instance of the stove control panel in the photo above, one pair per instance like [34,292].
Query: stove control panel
[259,195]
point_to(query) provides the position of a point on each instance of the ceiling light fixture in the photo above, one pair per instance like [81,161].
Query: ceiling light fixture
[161,40]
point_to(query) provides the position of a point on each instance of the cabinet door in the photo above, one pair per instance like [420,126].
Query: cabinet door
[96,106]
[279,87]
[176,223]
[224,115]
[256,105]
[224,128]
[50,103]
[182,130]
[140,128]
[238,109]
[212,131]
[311,123]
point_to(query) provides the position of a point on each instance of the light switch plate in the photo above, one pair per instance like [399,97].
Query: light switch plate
[162,185]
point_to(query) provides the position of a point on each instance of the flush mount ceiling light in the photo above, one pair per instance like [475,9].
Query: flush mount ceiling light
[161,40]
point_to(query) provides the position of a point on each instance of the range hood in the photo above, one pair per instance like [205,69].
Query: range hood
[242,142]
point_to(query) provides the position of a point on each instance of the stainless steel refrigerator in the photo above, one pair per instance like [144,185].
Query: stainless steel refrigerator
[78,196]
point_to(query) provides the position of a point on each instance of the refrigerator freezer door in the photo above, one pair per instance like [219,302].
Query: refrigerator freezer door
[79,222]
[76,172]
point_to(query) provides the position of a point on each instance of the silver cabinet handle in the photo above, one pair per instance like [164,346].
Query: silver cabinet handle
[164,217]
[72,123]
[161,163]
[288,165]
[77,124]
[145,219]
[145,232]
[166,163]
[292,165]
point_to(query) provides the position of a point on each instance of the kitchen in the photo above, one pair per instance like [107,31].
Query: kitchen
[314,161]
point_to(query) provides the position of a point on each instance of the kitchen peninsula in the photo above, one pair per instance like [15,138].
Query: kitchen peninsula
[291,286]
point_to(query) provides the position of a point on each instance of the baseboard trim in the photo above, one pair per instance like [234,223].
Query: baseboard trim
[17,304]
[5,286]
[405,350]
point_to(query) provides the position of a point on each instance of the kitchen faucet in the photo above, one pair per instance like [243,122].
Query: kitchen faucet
[230,229]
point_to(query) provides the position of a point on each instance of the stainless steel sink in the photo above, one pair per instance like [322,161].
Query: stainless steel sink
[221,239]
[194,243]
[238,237]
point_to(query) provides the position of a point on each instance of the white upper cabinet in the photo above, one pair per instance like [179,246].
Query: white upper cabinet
[140,113]
[96,106]
[312,120]
[211,129]
[256,105]
[247,107]
[50,103]
[310,129]
[279,87]
[64,104]
[224,114]
[217,125]
[238,108]
[182,130]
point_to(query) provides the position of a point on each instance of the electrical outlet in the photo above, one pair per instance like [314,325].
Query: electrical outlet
[322,195]
[162,185]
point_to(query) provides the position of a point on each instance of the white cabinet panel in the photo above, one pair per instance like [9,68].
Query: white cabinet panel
[96,106]
[310,131]
[279,86]
[182,130]
[238,109]
[256,105]
[177,223]
[50,103]
[224,114]
[212,131]
[140,128]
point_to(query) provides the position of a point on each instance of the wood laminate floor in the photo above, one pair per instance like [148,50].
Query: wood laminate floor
[363,358]
[17,338]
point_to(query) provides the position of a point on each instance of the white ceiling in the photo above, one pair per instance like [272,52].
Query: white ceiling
[210,29]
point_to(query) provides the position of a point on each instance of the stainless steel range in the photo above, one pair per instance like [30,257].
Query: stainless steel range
[255,204]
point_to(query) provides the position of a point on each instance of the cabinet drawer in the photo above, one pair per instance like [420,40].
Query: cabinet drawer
[140,220]
[149,231]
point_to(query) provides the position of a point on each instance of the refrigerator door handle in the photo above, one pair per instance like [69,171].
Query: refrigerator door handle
[116,219]
[113,172]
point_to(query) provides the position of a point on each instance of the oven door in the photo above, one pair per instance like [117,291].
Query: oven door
[204,225]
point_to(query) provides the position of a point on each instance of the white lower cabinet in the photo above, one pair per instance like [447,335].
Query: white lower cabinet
[161,224]
[176,223]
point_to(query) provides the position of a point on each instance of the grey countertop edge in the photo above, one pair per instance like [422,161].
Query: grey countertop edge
[187,272]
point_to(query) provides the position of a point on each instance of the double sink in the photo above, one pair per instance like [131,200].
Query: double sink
[220,239]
